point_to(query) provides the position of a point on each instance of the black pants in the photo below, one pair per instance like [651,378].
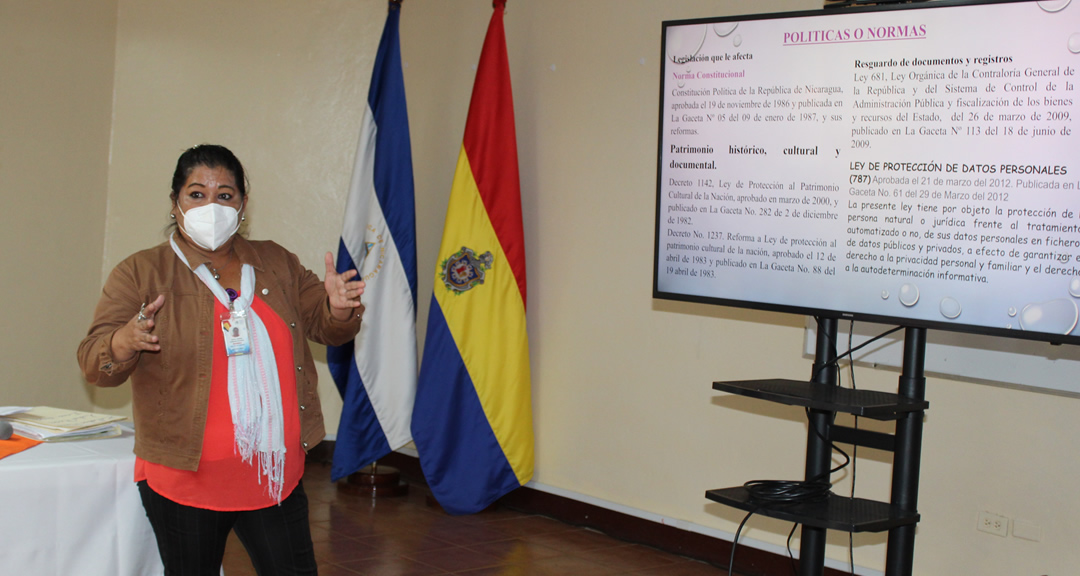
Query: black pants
[192,540]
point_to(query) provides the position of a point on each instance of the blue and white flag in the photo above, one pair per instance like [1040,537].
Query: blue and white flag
[376,373]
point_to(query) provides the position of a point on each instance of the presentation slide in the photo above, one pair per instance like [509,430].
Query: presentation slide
[917,164]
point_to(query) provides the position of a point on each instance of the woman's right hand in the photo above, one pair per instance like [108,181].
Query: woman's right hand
[135,336]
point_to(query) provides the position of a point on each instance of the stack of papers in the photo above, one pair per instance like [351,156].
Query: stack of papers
[56,424]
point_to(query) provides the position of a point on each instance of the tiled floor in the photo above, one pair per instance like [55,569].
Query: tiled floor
[404,536]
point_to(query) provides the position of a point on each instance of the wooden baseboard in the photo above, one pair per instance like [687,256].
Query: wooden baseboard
[716,551]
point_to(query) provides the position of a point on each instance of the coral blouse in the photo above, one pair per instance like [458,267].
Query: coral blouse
[223,481]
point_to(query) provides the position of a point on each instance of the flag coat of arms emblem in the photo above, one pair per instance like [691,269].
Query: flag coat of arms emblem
[464,269]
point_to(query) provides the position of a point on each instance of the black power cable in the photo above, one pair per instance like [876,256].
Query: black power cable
[768,493]
[851,351]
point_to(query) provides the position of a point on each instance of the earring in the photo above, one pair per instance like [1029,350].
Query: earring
[243,218]
[171,215]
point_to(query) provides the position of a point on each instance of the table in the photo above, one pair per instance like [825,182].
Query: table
[72,509]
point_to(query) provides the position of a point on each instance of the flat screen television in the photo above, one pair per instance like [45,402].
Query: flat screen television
[914,164]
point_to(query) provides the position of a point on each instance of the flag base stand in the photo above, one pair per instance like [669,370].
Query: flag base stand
[376,481]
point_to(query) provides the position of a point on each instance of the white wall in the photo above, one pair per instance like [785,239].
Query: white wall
[56,83]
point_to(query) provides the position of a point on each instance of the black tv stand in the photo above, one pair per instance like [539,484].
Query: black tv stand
[823,399]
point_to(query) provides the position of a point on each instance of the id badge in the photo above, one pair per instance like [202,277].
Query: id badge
[235,328]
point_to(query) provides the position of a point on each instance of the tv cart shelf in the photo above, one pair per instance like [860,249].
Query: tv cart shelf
[835,513]
[823,399]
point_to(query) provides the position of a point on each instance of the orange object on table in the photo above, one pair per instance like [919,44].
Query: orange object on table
[16,444]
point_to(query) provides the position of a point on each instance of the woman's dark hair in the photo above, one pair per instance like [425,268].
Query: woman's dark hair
[211,156]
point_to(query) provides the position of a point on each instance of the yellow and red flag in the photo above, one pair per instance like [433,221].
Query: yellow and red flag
[472,418]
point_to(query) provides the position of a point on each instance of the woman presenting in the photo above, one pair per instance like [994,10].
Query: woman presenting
[212,330]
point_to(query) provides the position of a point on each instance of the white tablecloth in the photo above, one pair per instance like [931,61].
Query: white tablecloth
[72,509]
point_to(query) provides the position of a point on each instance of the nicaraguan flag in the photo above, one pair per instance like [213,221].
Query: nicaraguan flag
[376,373]
[472,422]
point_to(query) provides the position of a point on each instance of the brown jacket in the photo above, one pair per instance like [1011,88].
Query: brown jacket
[171,388]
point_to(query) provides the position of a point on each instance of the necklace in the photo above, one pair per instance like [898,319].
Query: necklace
[214,271]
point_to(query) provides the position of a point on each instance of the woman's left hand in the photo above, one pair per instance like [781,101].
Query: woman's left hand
[344,292]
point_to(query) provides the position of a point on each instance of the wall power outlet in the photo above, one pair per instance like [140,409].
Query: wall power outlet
[993,524]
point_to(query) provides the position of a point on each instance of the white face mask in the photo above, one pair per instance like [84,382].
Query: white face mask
[210,225]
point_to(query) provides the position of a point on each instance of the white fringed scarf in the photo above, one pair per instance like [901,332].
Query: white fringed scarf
[254,388]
